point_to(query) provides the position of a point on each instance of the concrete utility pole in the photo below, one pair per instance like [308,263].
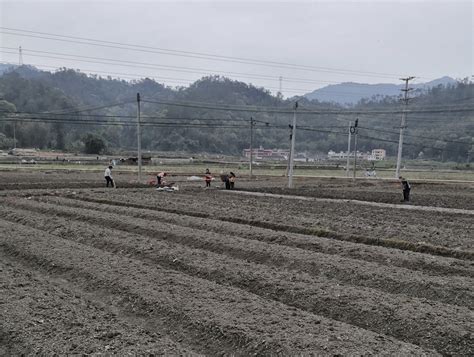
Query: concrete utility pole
[292,148]
[252,123]
[280,79]
[20,56]
[139,140]
[354,131]
[403,124]
[14,135]
[289,152]
[348,149]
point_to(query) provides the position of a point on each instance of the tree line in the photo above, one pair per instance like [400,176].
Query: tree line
[440,136]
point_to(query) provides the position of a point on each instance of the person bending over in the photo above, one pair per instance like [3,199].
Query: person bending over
[159,178]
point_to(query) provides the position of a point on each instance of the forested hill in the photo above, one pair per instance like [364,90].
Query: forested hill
[440,135]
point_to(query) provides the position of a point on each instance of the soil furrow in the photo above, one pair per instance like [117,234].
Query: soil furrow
[43,317]
[430,325]
[269,222]
[380,255]
[241,322]
[356,191]
[450,290]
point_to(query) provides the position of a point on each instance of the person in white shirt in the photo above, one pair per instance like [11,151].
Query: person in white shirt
[108,177]
[160,179]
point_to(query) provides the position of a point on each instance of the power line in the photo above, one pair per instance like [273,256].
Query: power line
[123,122]
[207,56]
[131,124]
[421,118]
[74,111]
[416,136]
[410,144]
[27,114]
[209,106]
[184,69]
[134,64]
[106,116]
[203,105]
[156,78]
[188,81]
[198,125]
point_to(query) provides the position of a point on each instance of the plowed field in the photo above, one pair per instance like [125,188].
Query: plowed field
[208,272]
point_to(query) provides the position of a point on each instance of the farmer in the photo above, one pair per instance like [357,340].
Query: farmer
[159,178]
[225,179]
[232,178]
[406,189]
[108,177]
[208,178]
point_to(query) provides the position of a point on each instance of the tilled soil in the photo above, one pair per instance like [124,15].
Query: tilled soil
[53,179]
[454,195]
[135,271]
[228,318]
[47,316]
[338,220]
[438,194]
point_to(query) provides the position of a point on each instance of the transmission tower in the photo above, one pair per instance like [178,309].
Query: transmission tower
[20,56]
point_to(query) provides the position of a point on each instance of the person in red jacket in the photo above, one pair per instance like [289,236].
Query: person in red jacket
[208,178]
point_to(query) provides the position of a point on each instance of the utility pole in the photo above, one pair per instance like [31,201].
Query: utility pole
[292,148]
[20,56]
[14,135]
[289,151]
[139,140]
[252,123]
[348,149]
[403,124]
[354,131]
[280,79]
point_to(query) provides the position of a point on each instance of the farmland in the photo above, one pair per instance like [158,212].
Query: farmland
[330,267]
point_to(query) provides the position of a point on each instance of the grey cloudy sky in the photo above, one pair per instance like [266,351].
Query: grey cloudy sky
[427,39]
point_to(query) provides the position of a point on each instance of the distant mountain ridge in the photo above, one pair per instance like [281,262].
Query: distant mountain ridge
[350,92]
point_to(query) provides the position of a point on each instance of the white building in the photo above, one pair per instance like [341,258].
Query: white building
[267,154]
[375,155]
[379,154]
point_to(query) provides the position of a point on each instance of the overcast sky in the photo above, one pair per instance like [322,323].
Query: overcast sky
[427,39]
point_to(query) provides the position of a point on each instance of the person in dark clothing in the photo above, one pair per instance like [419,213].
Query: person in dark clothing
[225,179]
[232,178]
[406,189]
